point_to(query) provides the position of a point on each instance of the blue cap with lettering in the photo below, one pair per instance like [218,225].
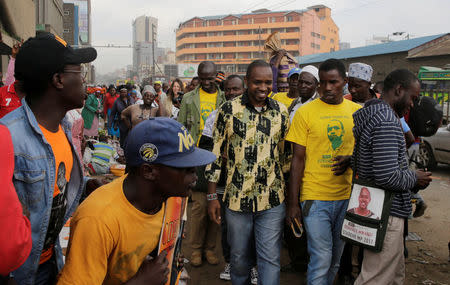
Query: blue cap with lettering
[164,141]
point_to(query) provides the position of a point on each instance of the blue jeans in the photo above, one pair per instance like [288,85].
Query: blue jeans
[266,227]
[323,225]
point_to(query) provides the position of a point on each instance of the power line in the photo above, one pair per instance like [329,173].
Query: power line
[253,7]
[281,4]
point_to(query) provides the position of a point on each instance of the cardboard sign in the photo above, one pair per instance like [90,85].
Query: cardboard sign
[171,235]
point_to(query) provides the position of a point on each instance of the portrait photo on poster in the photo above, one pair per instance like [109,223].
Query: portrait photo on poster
[366,201]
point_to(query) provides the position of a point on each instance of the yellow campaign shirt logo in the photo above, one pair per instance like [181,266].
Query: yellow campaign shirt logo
[185,141]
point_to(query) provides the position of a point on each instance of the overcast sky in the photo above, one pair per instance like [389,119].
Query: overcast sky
[357,20]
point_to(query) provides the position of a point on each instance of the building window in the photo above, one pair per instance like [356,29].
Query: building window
[273,20]
[331,49]
[317,46]
[323,37]
[66,31]
[66,13]
[332,41]
[250,21]
[289,19]
[205,23]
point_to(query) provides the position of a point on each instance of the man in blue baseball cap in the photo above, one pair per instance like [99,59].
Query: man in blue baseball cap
[287,97]
[116,228]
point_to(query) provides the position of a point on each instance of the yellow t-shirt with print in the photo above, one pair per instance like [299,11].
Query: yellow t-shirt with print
[207,105]
[109,238]
[326,131]
[282,97]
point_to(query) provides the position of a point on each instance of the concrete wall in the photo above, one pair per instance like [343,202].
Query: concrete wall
[49,14]
[18,20]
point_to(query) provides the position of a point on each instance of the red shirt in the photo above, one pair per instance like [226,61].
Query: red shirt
[9,100]
[15,228]
[109,102]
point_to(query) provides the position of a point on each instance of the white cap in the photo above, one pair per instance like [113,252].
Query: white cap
[311,69]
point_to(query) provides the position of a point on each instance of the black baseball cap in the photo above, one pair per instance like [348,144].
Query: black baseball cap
[47,54]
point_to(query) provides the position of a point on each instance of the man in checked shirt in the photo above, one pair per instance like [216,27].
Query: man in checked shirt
[251,128]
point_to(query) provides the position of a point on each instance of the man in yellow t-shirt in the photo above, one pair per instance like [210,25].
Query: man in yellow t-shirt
[321,133]
[115,230]
[287,97]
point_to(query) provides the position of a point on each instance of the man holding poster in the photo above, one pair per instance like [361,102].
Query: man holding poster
[115,230]
[380,156]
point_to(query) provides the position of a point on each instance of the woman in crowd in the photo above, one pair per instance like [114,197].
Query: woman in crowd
[174,94]
[108,103]
[137,113]
[114,119]
[90,114]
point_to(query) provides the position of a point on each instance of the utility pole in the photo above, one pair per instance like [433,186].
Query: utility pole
[153,48]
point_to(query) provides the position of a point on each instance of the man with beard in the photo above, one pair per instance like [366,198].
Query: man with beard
[251,128]
[380,156]
[319,179]
[308,81]
[359,81]
[48,176]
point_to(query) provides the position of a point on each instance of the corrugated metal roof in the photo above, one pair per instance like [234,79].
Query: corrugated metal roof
[392,47]
[219,17]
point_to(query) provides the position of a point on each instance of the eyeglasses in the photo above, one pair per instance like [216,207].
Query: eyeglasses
[83,73]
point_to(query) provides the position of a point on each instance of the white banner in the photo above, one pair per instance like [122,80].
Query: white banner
[362,234]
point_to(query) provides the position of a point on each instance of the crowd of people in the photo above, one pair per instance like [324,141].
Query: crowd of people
[260,165]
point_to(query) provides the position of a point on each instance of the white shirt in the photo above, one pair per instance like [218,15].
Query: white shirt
[299,104]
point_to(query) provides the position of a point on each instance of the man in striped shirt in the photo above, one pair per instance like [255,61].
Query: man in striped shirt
[102,155]
[380,155]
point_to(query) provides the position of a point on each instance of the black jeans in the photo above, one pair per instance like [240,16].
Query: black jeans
[47,272]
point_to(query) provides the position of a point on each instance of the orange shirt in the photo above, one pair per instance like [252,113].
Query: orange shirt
[64,163]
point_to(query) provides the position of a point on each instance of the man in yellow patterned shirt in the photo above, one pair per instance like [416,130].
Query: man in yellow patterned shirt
[251,128]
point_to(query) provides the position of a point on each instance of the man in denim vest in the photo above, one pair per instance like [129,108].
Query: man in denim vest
[47,177]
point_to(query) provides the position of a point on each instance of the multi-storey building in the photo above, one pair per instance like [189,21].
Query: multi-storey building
[70,24]
[233,41]
[144,43]
[83,11]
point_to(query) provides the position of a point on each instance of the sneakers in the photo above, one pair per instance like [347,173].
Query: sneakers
[225,274]
[254,276]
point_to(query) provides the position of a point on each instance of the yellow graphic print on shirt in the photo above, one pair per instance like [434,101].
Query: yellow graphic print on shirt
[207,105]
